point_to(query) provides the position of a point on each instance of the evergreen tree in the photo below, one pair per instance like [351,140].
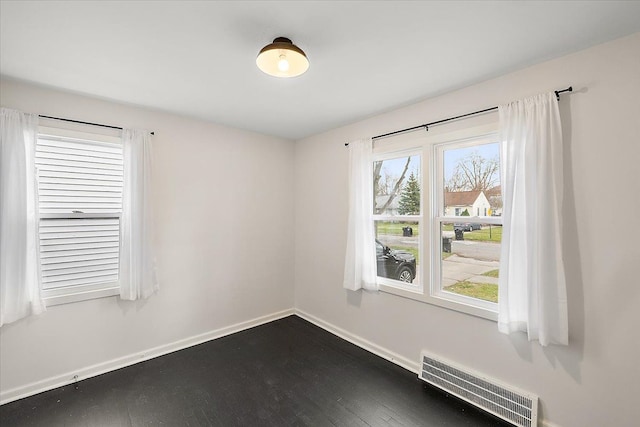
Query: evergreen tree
[409,203]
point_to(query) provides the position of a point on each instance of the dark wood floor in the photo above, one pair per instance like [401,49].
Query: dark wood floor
[285,373]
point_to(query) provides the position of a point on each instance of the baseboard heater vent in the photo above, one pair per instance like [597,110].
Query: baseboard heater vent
[501,400]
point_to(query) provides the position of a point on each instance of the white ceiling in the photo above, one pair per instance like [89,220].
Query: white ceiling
[198,58]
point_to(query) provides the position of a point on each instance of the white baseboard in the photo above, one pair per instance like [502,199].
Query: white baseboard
[111,365]
[409,365]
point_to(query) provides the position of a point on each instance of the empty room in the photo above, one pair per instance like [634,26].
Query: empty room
[322,213]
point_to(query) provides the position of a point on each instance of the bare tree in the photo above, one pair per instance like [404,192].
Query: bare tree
[383,180]
[377,166]
[474,172]
[394,190]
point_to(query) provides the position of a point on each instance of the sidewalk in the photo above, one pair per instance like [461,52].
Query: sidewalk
[457,269]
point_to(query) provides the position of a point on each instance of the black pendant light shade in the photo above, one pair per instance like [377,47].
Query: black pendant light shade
[282,59]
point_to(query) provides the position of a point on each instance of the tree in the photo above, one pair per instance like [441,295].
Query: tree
[383,180]
[465,213]
[495,200]
[474,172]
[394,190]
[410,197]
[377,186]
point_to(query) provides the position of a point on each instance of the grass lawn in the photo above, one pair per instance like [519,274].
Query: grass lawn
[395,228]
[492,273]
[413,251]
[482,291]
[487,234]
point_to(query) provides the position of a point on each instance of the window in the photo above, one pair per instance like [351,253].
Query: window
[466,267]
[397,219]
[80,179]
[452,229]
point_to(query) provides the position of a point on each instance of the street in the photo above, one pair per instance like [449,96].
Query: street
[483,251]
[468,261]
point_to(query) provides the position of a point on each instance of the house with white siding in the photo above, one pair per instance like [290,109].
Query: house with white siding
[474,202]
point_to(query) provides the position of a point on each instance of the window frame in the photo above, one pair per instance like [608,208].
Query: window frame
[431,199]
[75,293]
[439,217]
[384,282]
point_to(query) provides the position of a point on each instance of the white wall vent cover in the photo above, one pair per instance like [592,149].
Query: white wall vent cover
[501,400]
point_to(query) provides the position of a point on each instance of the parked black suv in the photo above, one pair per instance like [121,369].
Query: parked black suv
[395,264]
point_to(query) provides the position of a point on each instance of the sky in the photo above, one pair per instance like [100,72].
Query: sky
[451,157]
[394,167]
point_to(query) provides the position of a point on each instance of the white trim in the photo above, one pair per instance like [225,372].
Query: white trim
[409,365]
[131,359]
[101,368]
[449,303]
[71,215]
[430,147]
[62,129]
[53,297]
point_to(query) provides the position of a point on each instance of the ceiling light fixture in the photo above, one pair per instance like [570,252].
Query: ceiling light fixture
[282,59]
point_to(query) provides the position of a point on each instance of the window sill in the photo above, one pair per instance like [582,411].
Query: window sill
[441,301]
[51,300]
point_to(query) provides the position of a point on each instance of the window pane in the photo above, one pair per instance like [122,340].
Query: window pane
[396,186]
[80,185]
[78,176]
[472,181]
[471,259]
[397,250]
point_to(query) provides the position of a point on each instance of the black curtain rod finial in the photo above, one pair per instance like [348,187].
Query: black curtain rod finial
[558,92]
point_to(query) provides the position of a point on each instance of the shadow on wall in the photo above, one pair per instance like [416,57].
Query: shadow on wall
[571,356]
[568,357]
[354,298]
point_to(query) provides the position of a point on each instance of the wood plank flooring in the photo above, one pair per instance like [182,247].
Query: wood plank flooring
[285,373]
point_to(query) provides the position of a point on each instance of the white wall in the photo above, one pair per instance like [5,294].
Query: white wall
[225,205]
[223,200]
[595,381]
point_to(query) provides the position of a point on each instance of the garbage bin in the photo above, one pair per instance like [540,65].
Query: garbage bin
[446,244]
[459,234]
[407,231]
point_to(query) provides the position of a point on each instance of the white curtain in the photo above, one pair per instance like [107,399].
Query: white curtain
[137,263]
[20,293]
[532,290]
[360,260]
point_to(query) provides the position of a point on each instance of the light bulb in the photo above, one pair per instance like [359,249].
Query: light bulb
[283,64]
[282,59]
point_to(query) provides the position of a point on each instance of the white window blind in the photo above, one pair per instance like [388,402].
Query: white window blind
[80,201]
[78,251]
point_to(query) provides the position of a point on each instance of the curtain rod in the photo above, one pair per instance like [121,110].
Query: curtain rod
[83,123]
[426,125]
